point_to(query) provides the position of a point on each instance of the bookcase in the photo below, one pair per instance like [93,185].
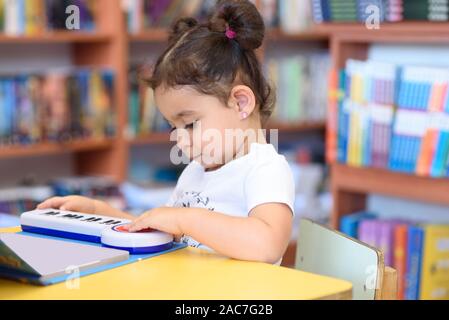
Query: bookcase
[351,185]
[106,47]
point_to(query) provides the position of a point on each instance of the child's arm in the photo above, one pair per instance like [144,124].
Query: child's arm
[84,205]
[263,236]
[104,209]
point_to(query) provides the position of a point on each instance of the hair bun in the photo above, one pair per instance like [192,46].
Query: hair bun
[243,18]
[180,27]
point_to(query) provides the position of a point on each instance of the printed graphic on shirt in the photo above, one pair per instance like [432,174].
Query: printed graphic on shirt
[192,199]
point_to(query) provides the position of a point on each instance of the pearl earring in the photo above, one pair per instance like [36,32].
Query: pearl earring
[244,115]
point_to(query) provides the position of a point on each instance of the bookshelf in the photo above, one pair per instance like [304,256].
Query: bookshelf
[351,185]
[58,37]
[103,48]
[48,148]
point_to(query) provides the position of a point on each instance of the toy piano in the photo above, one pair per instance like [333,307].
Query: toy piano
[108,231]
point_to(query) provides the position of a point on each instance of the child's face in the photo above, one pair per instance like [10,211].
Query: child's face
[203,125]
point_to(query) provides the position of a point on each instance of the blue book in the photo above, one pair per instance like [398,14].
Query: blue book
[343,119]
[392,162]
[349,224]
[21,16]
[414,256]
[438,168]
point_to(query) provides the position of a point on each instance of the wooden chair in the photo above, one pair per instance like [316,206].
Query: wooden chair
[326,252]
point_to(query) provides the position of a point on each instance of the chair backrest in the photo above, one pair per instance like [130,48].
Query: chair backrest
[330,253]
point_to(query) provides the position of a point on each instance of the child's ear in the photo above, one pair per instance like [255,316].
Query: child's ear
[243,101]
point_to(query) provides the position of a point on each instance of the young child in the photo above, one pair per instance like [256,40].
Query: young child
[233,198]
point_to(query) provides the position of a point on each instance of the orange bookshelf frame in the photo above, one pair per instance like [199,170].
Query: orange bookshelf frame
[48,148]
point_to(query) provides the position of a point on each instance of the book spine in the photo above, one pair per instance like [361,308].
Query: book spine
[414,255]
[400,257]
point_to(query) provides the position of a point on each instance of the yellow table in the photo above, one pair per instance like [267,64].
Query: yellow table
[188,273]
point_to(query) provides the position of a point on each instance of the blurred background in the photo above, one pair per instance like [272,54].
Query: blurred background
[362,108]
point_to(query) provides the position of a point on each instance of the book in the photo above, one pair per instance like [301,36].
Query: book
[56,106]
[400,256]
[379,103]
[294,16]
[144,117]
[414,256]
[2,15]
[293,76]
[435,268]
[145,14]
[387,10]
[32,17]
[350,224]
[418,251]
[367,232]
[366,113]
[56,15]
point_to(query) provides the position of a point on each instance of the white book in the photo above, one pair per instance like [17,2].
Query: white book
[12,27]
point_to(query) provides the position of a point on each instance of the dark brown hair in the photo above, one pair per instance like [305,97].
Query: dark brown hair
[203,57]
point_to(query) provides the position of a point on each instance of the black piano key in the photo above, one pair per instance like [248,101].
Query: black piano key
[51,213]
[71,216]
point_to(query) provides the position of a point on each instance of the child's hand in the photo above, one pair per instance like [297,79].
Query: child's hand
[163,219]
[70,203]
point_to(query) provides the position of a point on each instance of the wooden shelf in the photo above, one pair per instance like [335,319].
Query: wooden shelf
[406,28]
[313,34]
[150,35]
[350,185]
[57,37]
[276,34]
[151,139]
[297,127]
[50,148]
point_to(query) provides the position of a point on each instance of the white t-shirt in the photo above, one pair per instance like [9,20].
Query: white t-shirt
[261,176]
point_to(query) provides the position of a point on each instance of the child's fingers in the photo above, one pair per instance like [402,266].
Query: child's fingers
[54,203]
[137,225]
[70,206]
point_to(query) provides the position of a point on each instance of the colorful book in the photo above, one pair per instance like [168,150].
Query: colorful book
[350,224]
[414,256]
[400,256]
[293,76]
[387,10]
[31,110]
[368,232]
[386,240]
[435,263]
